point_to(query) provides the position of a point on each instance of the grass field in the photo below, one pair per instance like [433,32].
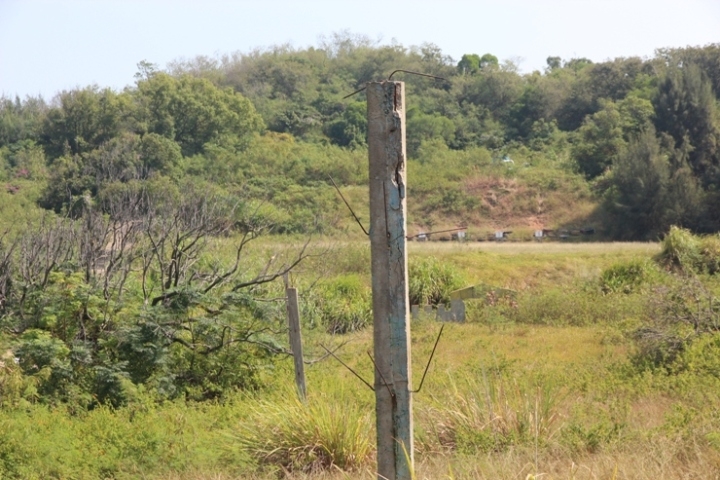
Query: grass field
[545,386]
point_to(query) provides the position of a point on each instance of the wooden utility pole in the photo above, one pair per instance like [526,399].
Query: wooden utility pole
[293,310]
[391,326]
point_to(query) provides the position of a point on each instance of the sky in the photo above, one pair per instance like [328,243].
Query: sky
[47,46]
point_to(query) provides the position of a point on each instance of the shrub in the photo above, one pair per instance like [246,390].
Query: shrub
[12,382]
[702,356]
[681,250]
[625,277]
[678,316]
[710,252]
[591,434]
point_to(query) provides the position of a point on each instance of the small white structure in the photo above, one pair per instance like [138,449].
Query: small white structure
[501,235]
[459,236]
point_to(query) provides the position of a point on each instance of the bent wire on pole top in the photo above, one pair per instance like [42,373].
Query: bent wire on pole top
[390,78]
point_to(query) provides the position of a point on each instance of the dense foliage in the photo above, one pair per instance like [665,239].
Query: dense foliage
[273,125]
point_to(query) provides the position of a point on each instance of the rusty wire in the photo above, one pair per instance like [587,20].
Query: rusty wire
[432,354]
[390,78]
[351,370]
[387,385]
[348,206]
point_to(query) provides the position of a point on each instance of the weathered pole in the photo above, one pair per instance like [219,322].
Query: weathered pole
[391,326]
[293,310]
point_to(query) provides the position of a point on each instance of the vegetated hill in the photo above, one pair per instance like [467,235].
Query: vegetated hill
[628,146]
[520,191]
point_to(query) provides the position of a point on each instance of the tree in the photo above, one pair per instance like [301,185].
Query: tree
[422,127]
[707,58]
[637,198]
[495,89]
[488,61]
[599,141]
[21,120]
[684,194]
[122,159]
[553,63]
[469,64]
[81,120]
[100,304]
[604,134]
[350,129]
[577,64]
[193,112]
[472,63]
[686,109]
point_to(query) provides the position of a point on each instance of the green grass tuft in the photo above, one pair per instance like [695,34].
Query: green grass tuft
[318,435]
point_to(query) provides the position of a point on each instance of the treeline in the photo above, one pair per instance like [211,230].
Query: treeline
[274,124]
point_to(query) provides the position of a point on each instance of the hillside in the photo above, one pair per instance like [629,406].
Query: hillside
[627,147]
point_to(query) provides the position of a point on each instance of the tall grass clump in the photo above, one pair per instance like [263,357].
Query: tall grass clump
[342,305]
[430,281]
[310,437]
[490,413]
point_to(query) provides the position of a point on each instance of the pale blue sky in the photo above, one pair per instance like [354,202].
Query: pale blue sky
[50,45]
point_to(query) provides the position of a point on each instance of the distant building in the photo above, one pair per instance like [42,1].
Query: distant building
[459,236]
[501,235]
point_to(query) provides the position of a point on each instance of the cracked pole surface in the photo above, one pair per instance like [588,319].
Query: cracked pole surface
[391,326]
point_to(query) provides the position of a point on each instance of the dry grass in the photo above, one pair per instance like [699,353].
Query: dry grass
[537,248]
[665,460]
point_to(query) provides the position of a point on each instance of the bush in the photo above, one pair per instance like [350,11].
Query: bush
[678,316]
[590,432]
[625,277]
[702,356]
[12,383]
[683,251]
[710,252]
